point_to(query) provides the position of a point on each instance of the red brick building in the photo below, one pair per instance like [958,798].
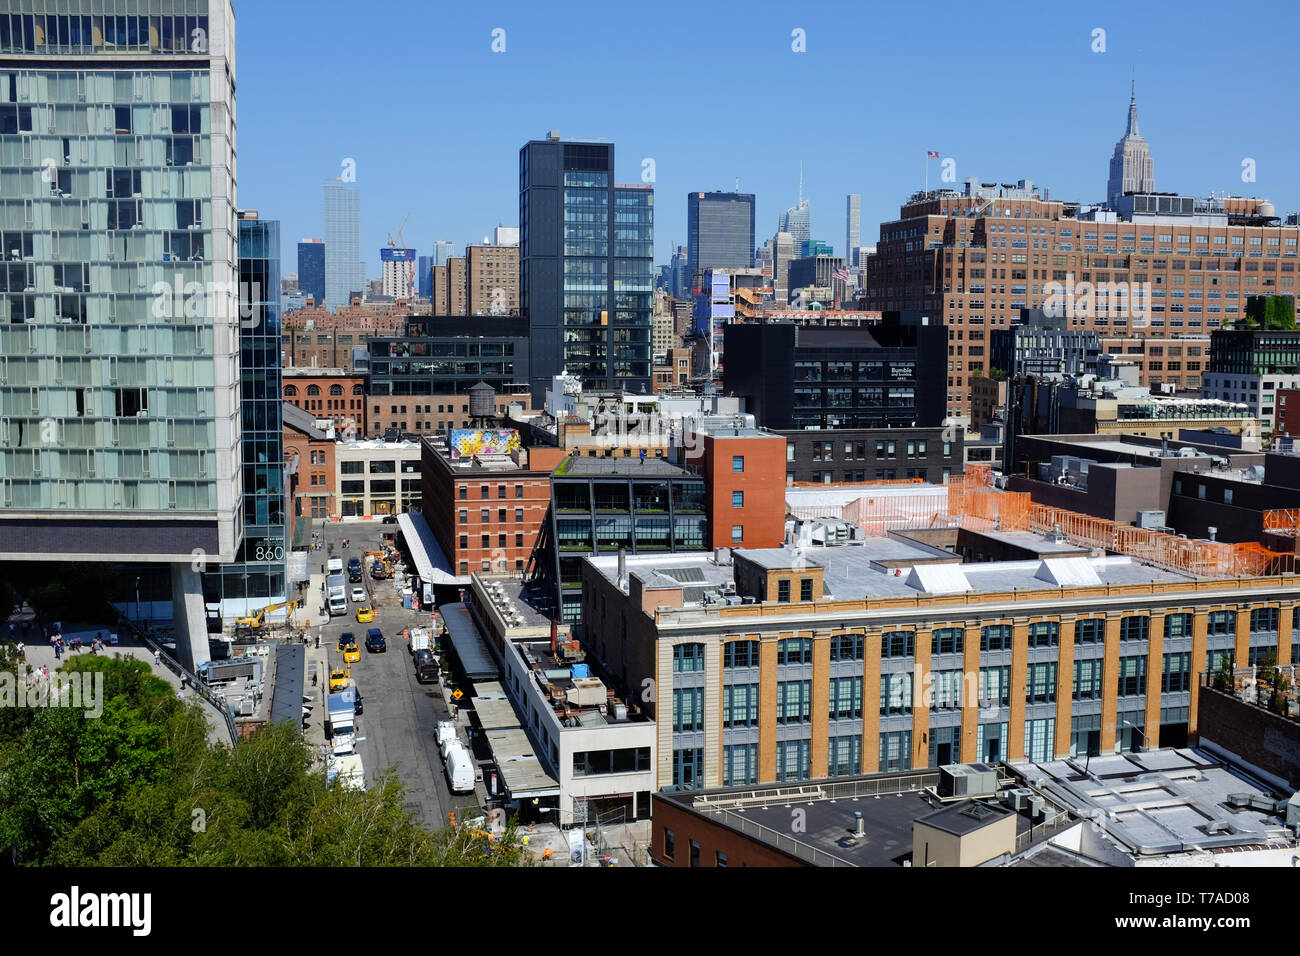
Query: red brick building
[744,472]
[328,393]
[309,456]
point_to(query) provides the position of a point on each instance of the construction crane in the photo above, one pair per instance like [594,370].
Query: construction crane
[395,244]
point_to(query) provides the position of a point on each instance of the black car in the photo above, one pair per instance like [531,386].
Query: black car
[354,563]
[375,641]
[426,666]
[354,575]
[346,638]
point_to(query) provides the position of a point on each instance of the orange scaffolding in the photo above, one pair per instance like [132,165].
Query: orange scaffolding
[1283,521]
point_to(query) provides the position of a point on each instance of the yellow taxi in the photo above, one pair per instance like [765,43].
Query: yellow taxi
[351,653]
[338,679]
[365,614]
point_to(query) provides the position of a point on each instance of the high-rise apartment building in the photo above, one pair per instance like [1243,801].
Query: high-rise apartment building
[311,269]
[398,272]
[852,228]
[424,276]
[1132,170]
[1160,263]
[492,279]
[120,433]
[344,273]
[719,232]
[587,275]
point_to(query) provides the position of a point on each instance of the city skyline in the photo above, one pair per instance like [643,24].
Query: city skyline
[1061,134]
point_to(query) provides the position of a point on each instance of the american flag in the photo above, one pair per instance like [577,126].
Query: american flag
[842,275]
[931,155]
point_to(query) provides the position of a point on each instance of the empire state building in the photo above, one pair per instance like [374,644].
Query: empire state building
[1131,167]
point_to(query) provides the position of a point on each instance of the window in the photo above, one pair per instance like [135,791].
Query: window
[845,698]
[1177,674]
[805,589]
[898,644]
[740,705]
[464,516]
[1263,619]
[1134,628]
[794,650]
[737,499]
[793,701]
[782,589]
[688,657]
[519,515]
[995,686]
[740,654]
[793,759]
[738,463]
[1222,623]
[688,709]
[738,535]
[1040,683]
[1044,634]
[995,637]
[947,640]
[1132,676]
[1091,631]
[845,756]
[720,859]
[1178,625]
[1087,680]
[895,694]
[945,690]
[896,751]
[847,647]
[464,492]
[739,764]
[670,843]
[688,767]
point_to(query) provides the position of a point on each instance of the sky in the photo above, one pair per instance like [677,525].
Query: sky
[433,118]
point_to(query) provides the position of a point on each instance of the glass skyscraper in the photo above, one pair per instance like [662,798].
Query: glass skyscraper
[587,269]
[311,269]
[719,232]
[344,273]
[119,432]
[257,576]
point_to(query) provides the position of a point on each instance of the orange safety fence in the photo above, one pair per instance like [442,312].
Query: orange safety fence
[972,501]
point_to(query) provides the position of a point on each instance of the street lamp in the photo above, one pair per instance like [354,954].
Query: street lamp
[1144,737]
[137,601]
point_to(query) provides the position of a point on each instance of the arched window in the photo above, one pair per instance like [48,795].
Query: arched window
[290,391]
[336,389]
[313,389]
[358,390]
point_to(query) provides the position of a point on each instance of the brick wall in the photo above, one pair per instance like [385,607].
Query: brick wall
[1269,741]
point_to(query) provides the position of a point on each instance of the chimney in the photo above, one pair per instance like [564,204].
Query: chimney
[1212,530]
[555,637]
[622,567]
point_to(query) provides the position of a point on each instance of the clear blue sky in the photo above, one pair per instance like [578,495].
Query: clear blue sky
[434,119]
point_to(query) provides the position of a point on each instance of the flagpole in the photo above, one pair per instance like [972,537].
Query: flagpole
[927,171]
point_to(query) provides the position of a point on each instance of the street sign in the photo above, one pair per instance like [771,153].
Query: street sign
[456,694]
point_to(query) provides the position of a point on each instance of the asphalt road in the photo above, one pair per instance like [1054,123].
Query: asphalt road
[399,714]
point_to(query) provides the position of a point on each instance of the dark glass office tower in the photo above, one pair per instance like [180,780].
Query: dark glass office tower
[257,576]
[587,266]
[311,269]
[719,232]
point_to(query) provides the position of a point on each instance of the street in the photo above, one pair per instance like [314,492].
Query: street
[396,727]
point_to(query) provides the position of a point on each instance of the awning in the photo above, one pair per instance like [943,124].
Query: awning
[430,563]
[286,695]
[522,774]
[468,642]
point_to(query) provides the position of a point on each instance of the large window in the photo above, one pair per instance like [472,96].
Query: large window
[1135,628]
[740,654]
[688,768]
[688,709]
[793,701]
[845,698]
[947,640]
[1178,625]
[740,705]
[946,689]
[995,686]
[688,657]
[844,757]
[895,694]
[1132,676]
[793,759]
[1044,634]
[896,751]
[1087,680]
[587,763]
[1222,623]
[1090,631]
[898,644]
[1177,676]
[995,637]
[739,764]
[1263,619]
[795,650]
[847,647]
[1040,683]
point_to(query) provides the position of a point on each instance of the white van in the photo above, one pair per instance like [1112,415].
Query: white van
[460,770]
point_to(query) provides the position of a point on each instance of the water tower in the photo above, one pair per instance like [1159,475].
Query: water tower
[483,406]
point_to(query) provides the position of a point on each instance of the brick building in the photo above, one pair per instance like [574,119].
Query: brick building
[744,479]
[311,481]
[328,393]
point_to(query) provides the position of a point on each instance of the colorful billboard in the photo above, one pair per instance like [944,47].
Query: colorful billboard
[468,442]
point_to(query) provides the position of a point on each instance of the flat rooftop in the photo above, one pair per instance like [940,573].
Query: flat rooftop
[579,467]
[1164,801]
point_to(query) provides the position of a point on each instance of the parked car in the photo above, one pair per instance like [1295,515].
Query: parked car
[365,614]
[354,576]
[426,666]
[375,641]
[358,595]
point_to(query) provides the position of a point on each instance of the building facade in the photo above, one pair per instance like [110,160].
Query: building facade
[1132,169]
[344,273]
[331,393]
[587,268]
[377,477]
[719,231]
[849,455]
[1251,366]
[121,434]
[398,272]
[311,270]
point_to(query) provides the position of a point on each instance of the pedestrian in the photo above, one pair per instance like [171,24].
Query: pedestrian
[157,658]
[58,652]
[22,651]
[318,642]
[314,677]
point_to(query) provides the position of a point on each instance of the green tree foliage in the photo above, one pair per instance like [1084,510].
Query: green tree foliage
[142,786]
[1270,312]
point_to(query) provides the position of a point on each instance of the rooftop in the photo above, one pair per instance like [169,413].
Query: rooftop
[576,466]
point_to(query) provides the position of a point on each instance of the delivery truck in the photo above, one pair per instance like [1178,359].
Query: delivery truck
[336,594]
[347,769]
[341,723]
[460,769]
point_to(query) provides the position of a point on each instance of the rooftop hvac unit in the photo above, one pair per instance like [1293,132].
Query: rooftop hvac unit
[962,780]
[1151,520]
[1035,805]
[1019,797]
